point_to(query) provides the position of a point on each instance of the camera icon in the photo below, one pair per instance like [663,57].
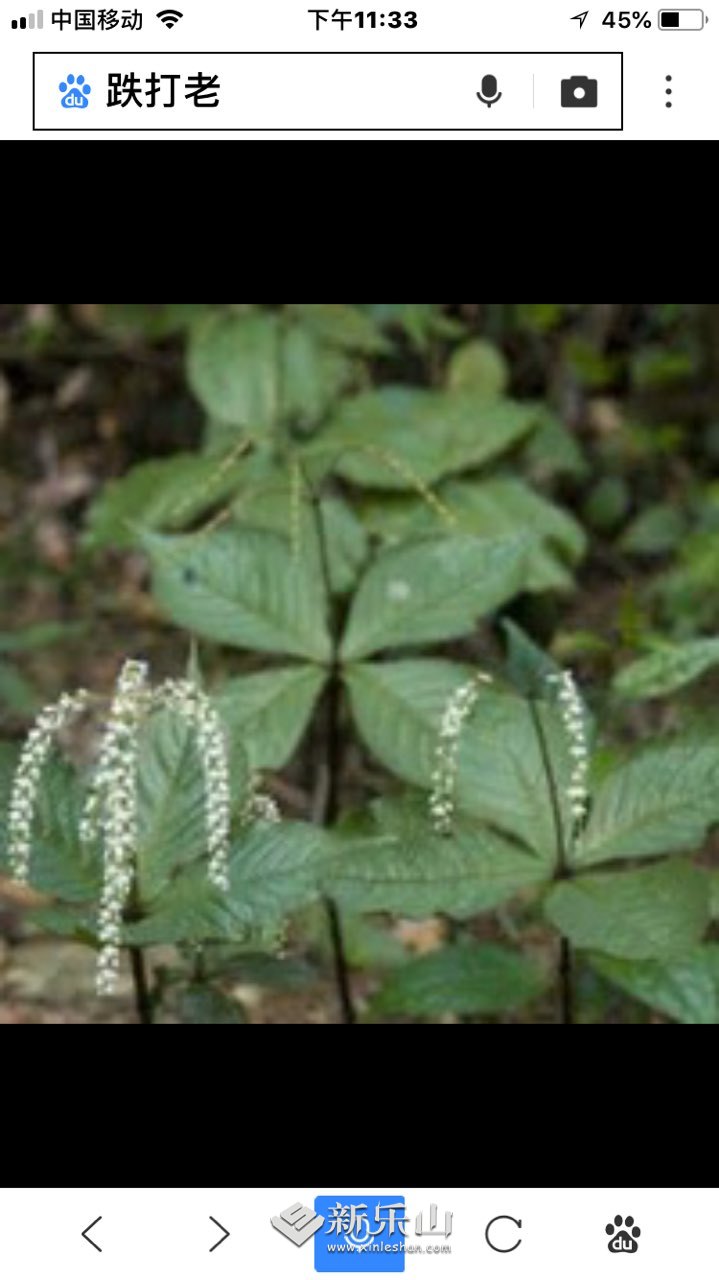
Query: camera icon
[579,91]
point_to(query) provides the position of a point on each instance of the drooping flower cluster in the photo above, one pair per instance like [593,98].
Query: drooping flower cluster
[24,795]
[193,705]
[573,718]
[444,774]
[110,810]
[111,807]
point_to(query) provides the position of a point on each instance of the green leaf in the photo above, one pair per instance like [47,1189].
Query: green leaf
[552,449]
[419,321]
[494,508]
[501,777]
[233,365]
[527,666]
[656,530]
[401,865]
[270,711]
[684,989]
[431,590]
[171,798]
[312,377]
[273,870]
[189,909]
[670,668]
[165,494]
[341,325]
[59,864]
[243,588]
[654,913]
[662,801]
[480,367]
[203,1004]
[272,507]
[391,438]
[77,923]
[461,979]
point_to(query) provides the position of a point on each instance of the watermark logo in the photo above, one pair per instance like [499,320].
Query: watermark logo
[298,1223]
[364,1233]
[361,1233]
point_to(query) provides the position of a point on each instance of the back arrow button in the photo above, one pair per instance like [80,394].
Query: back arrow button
[85,1236]
[222,1238]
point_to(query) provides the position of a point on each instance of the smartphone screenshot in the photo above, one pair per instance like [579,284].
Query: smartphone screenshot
[300,69]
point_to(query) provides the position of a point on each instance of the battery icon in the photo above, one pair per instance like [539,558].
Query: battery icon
[681,19]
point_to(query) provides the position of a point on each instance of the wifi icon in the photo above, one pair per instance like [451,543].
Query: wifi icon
[169,16]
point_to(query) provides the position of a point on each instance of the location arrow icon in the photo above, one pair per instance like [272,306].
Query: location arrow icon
[222,1238]
[85,1236]
[580,18]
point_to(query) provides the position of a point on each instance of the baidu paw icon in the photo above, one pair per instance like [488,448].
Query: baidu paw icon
[75,92]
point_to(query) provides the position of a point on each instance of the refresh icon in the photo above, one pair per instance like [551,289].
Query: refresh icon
[502,1217]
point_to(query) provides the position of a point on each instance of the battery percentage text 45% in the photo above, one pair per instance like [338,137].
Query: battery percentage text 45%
[626,19]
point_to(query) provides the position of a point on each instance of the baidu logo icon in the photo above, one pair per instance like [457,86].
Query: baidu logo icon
[75,92]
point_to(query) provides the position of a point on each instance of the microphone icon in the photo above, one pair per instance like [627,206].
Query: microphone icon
[488,93]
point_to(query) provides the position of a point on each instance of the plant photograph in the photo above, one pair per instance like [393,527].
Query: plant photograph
[359,663]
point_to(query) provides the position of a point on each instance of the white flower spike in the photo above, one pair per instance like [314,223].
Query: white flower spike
[110,810]
[444,774]
[572,713]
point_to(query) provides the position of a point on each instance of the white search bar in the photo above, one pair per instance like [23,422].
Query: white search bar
[326,91]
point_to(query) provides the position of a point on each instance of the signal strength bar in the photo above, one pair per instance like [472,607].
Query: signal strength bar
[32,21]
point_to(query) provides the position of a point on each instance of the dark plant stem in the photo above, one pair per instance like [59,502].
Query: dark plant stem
[328,797]
[562,871]
[143,999]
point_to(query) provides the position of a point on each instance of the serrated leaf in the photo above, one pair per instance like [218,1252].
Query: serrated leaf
[654,913]
[498,507]
[165,494]
[461,979]
[401,865]
[243,588]
[684,989]
[662,801]
[431,590]
[501,777]
[273,870]
[232,366]
[273,507]
[59,865]
[670,668]
[270,711]
[67,922]
[478,366]
[189,910]
[171,798]
[390,438]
